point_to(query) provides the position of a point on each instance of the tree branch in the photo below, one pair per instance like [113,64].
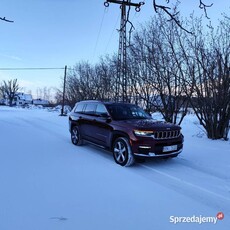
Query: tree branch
[131,25]
[172,16]
[6,20]
[204,6]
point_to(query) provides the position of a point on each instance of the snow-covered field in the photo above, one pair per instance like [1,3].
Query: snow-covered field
[49,184]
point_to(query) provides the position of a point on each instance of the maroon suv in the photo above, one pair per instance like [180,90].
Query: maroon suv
[125,129]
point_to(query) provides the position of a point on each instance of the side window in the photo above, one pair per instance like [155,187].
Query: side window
[90,108]
[101,110]
[79,108]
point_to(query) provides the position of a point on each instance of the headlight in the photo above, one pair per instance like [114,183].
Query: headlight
[143,133]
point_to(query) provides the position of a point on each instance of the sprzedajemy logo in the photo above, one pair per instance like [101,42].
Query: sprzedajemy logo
[196,219]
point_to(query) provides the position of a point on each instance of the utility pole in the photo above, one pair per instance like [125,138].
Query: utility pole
[121,85]
[63,95]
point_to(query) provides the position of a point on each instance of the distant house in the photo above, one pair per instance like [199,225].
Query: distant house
[22,99]
[40,102]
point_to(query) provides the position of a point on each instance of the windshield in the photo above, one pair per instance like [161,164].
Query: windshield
[126,112]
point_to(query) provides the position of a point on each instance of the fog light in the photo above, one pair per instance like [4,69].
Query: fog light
[144,150]
[144,147]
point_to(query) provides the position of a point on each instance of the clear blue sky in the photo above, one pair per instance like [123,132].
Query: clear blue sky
[55,33]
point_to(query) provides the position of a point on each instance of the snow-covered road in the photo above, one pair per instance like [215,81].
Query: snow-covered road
[49,184]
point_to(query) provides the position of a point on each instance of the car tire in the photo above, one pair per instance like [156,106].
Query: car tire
[122,152]
[76,136]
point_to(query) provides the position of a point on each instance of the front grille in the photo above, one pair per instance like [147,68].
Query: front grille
[166,134]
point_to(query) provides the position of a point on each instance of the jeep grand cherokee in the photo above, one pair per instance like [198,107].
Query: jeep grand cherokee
[125,129]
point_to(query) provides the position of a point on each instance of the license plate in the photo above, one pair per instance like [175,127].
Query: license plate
[169,148]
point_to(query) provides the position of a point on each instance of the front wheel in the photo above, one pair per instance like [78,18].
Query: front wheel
[76,136]
[122,152]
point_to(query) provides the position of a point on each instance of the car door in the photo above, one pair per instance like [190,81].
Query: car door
[87,121]
[102,129]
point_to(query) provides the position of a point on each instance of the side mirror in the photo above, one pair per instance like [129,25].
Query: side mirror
[106,116]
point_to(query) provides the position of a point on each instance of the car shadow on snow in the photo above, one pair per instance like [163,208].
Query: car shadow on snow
[108,155]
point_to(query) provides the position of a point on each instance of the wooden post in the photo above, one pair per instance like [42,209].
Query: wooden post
[63,96]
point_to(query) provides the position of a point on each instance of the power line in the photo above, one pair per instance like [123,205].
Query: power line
[99,33]
[35,68]
[111,36]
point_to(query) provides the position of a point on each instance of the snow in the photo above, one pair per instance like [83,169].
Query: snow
[49,184]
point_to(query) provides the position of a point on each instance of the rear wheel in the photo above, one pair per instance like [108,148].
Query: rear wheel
[122,152]
[76,136]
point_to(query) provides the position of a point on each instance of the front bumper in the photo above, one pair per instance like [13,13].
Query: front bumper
[155,155]
[149,147]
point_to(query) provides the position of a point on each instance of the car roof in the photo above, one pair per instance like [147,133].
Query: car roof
[105,102]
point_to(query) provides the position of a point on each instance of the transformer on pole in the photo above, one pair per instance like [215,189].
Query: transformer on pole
[121,85]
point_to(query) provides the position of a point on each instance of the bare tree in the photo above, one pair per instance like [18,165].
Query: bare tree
[171,70]
[80,84]
[85,81]
[1,92]
[210,80]
[158,69]
[105,71]
[44,93]
[9,89]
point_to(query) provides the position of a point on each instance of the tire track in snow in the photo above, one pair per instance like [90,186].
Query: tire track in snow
[202,169]
[190,188]
[39,124]
[187,183]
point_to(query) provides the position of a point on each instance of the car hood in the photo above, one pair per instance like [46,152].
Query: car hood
[150,124]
